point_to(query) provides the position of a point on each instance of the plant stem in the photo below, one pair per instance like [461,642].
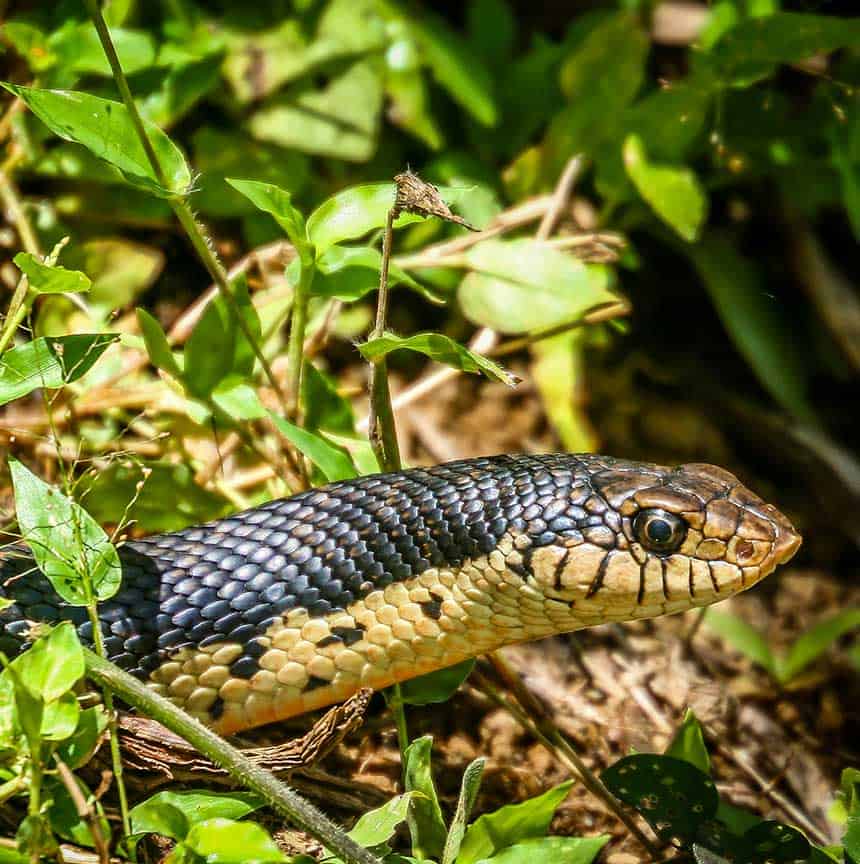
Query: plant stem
[276,794]
[179,205]
[34,806]
[298,325]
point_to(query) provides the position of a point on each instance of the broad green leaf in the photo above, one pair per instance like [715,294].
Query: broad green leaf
[68,544]
[426,825]
[378,826]
[65,819]
[455,66]
[334,463]
[469,787]
[60,718]
[815,641]
[277,202]
[158,814]
[77,48]
[551,850]
[323,407]
[523,285]
[50,279]
[673,192]
[110,490]
[223,841]
[673,796]
[600,78]
[742,637]
[437,686]
[340,120]
[52,665]
[514,823]
[756,323]
[751,50]
[49,362]
[238,399]
[360,209]
[350,272]
[688,743]
[105,128]
[217,347]
[157,345]
[437,347]
[80,746]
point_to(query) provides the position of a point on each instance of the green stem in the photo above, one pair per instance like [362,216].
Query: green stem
[276,794]
[18,309]
[179,205]
[34,806]
[298,326]
[398,709]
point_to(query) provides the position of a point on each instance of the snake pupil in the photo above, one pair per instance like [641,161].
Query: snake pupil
[659,531]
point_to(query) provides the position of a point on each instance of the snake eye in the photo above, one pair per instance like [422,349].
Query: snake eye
[659,531]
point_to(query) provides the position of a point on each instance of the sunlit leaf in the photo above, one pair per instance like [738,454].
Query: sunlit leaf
[688,743]
[437,686]
[549,850]
[333,461]
[378,826]
[50,279]
[809,646]
[324,408]
[223,841]
[277,202]
[672,191]
[80,746]
[426,825]
[49,362]
[69,546]
[469,787]
[349,272]
[157,345]
[437,347]
[77,48]
[104,127]
[52,665]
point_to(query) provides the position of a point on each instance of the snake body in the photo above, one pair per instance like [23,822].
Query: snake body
[300,602]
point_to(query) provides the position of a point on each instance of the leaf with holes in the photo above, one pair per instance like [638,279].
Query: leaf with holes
[672,795]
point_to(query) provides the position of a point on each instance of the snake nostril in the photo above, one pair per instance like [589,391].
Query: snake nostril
[744,550]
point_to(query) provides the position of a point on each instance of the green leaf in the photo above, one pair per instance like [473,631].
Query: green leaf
[64,817]
[511,824]
[52,665]
[104,127]
[551,850]
[350,272]
[810,645]
[182,88]
[77,48]
[455,66]
[426,825]
[60,718]
[340,120]
[673,192]
[440,348]
[217,348]
[323,407]
[223,841]
[277,202]
[469,787]
[437,686]
[751,50]
[688,743]
[673,796]
[48,279]
[238,399]
[523,285]
[756,323]
[743,637]
[80,746]
[378,826]
[68,544]
[158,814]
[333,461]
[360,209]
[49,362]
[157,345]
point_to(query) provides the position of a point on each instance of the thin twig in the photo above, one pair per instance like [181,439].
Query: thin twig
[85,812]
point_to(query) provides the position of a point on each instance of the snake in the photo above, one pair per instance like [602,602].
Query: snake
[300,602]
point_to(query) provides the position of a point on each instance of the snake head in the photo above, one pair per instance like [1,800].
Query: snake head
[660,540]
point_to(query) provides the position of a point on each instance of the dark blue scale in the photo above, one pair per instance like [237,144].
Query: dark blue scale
[228,581]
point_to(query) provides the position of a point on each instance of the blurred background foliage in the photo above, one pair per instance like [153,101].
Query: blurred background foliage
[721,147]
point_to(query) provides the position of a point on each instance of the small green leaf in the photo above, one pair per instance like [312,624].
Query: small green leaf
[469,787]
[60,718]
[277,202]
[551,850]
[49,362]
[350,272]
[426,825]
[333,461]
[52,665]
[157,345]
[673,796]
[48,279]
[378,826]
[815,641]
[223,841]
[79,748]
[65,819]
[455,66]
[238,399]
[742,637]
[437,686]
[514,823]
[105,128]
[68,544]
[673,192]
[324,408]
[523,285]
[440,348]
[688,743]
